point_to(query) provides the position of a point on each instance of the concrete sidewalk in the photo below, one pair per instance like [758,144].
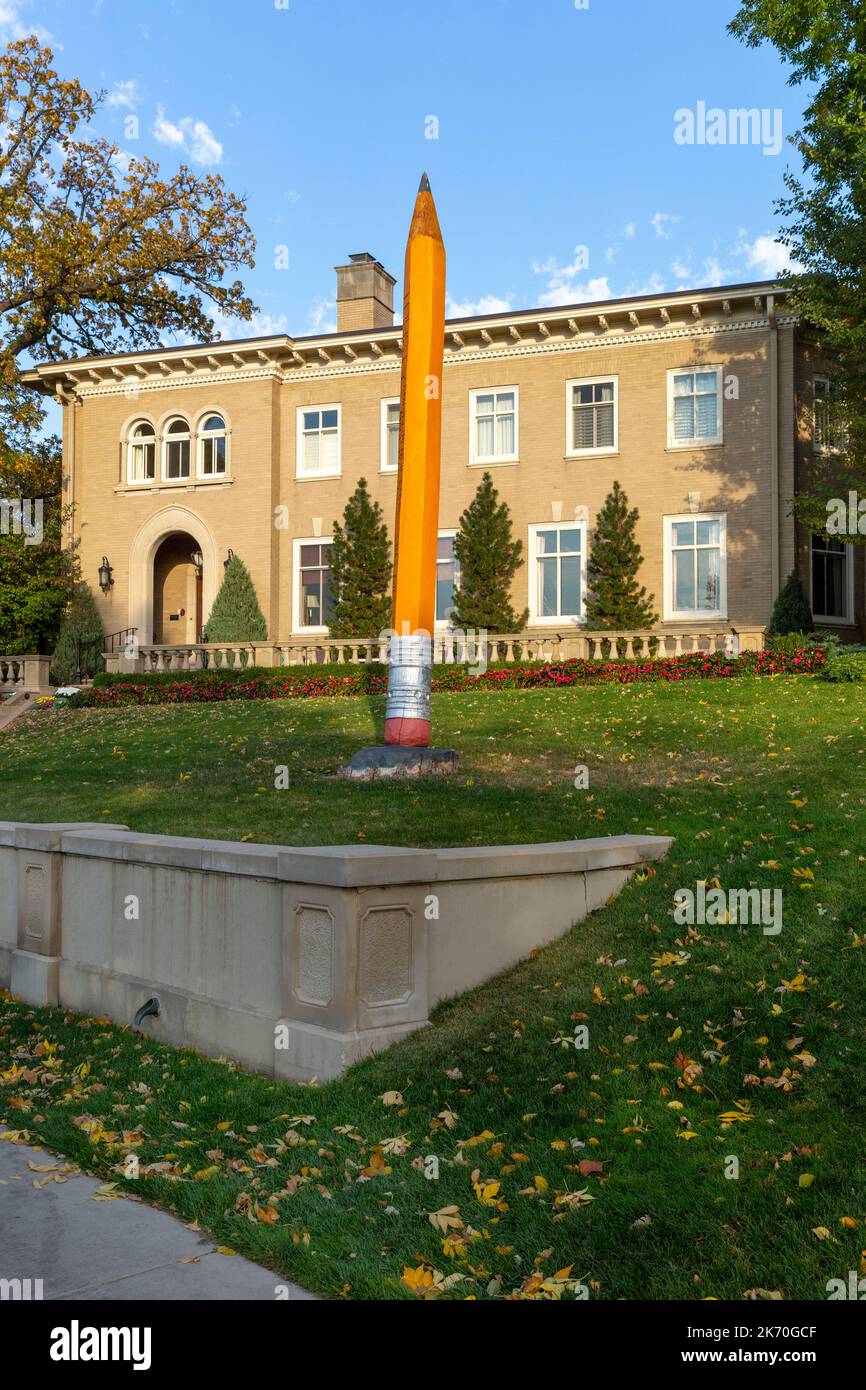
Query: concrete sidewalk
[90,1250]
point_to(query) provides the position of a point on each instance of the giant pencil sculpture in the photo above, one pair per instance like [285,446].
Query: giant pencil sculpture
[407,713]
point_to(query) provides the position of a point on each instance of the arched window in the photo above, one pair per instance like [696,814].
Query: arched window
[175,449]
[212,446]
[141,453]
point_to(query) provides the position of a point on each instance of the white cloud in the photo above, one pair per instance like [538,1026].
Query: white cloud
[487,304]
[768,256]
[14,26]
[194,137]
[681,270]
[124,94]
[630,230]
[663,223]
[318,316]
[563,284]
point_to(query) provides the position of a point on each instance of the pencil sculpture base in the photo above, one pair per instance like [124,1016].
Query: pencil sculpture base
[373,764]
[407,711]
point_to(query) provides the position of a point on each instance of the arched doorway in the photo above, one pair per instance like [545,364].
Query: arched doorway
[150,602]
[177,590]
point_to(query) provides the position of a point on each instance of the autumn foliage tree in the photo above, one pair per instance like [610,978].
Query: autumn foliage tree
[98,254]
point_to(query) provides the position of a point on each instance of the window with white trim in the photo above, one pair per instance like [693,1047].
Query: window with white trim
[447,576]
[176,449]
[828,431]
[694,407]
[141,453]
[313,600]
[212,447]
[318,441]
[695,565]
[591,424]
[493,416]
[557,572]
[389,453]
[832,580]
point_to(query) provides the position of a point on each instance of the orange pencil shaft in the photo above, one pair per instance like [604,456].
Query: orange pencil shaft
[407,712]
[420,422]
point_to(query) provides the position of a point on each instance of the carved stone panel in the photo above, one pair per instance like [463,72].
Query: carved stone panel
[314,954]
[386,960]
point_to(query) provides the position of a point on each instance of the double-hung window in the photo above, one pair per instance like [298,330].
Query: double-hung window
[176,450]
[313,601]
[828,430]
[389,454]
[832,580]
[694,407]
[591,416]
[493,418]
[141,453]
[318,441]
[557,572]
[447,576]
[695,567]
[212,445]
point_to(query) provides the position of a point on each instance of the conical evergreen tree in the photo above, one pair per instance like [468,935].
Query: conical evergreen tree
[361,569]
[83,624]
[614,599]
[792,611]
[488,559]
[236,615]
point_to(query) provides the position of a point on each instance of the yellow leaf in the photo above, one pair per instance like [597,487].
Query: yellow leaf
[805,1179]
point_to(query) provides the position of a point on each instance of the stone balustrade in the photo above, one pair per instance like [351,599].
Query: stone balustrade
[449,647]
[25,675]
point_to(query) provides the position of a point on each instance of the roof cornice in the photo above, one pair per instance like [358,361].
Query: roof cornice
[279,356]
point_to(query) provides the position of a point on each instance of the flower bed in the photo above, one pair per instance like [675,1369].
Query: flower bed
[211,687]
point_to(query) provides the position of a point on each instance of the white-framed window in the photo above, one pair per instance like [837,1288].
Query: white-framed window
[591,416]
[695,407]
[695,566]
[176,443]
[312,584]
[141,453]
[832,580]
[494,425]
[447,577]
[319,441]
[828,431]
[389,446]
[212,447]
[557,572]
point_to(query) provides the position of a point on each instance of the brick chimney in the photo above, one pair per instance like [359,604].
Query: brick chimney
[365,294]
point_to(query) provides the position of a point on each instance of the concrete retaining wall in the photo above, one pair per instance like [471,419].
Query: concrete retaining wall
[296,962]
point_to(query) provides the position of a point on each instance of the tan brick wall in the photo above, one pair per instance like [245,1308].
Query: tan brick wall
[734,477]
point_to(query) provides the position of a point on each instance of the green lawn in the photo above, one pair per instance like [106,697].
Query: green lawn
[761,782]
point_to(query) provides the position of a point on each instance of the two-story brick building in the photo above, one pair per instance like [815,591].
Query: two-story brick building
[705,405]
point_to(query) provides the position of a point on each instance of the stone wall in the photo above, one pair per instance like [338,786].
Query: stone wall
[295,961]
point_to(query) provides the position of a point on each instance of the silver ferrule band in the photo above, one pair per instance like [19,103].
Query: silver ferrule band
[409,672]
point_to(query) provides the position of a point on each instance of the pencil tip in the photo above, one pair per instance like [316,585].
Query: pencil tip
[424,186]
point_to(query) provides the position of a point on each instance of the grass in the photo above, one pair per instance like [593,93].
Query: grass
[761,784]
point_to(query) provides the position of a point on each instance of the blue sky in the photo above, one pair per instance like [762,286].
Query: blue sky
[555,133]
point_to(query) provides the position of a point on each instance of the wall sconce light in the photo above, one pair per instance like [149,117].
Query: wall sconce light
[198,560]
[229,557]
[694,501]
[105,576]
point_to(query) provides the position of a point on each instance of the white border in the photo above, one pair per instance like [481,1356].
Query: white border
[494,460]
[571,453]
[699,615]
[301,410]
[579,619]
[693,370]
[297,542]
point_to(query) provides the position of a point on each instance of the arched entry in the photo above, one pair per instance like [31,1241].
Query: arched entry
[177,596]
[163,580]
